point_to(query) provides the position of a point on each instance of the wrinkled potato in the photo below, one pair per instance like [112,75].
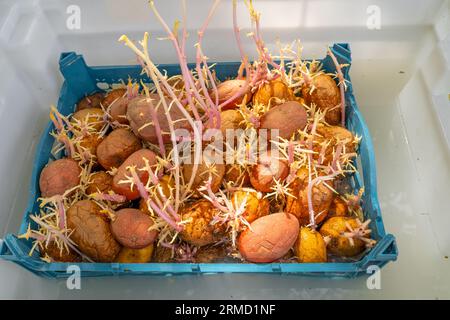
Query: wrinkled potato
[163,255]
[287,118]
[199,231]
[90,143]
[117,102]
[141,121]
[273,92]
[99,182]
[325,96]
[91,231]
[231,119]
[116,148]
[59,176]
[91,101]
[136,159]
[310,246]
[131,228]
[339,244]
[56,254]
[128,255]
[204,170]
[210,254]
[322,197]
[90,116]
[338,208]
[266,171]
[234,173]
[269,238]
[167,184]
[228,89]
[255,205]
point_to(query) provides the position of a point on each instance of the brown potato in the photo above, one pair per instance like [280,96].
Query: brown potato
[91,231]
[310,246]
[255,205]
[167,184]
[287,118]
[56,254]
[99,182]
[163,255]
[117,102]
[59,176]
[266,171]
[199,231]
[136,159]
[269,237]
[275,92]
[116,148]
[237,175]
[131,228]
[339,244]
[338,208]
[91,142]
[231,119]
[322,197]
[90,116]
[227,89]
[91,101]
[210,254]
[128,255]
[325,96]
[141,121]
[204,170]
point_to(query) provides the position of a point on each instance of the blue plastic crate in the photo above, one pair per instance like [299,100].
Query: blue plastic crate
[81,79]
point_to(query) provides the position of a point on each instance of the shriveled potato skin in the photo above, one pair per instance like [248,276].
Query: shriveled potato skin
[64,255]
[310,246]
[273,92]
[231,119]
[325,96]
[99,181]
[255,205]
[92,116]
[162,255]
[116,148]
[91,101]
[321,199]
[227,89]
[269,238]
[238,177]
[210,254]
[338,208]
[202,175]
[340,245]
[139,115]
[130,228]
[266,171]
[91,142]
[117,102]
[91,231]
[59,176]
[288,118]
[128,255]
[135,159]
[199,231]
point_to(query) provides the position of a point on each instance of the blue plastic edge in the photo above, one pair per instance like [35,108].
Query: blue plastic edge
[16,250]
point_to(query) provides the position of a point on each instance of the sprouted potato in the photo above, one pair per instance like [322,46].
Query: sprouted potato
[122,190]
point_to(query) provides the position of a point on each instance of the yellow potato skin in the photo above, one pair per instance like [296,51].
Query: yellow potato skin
[127,255]
[255,206]
[340,245]
[272,91]
[310,246]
